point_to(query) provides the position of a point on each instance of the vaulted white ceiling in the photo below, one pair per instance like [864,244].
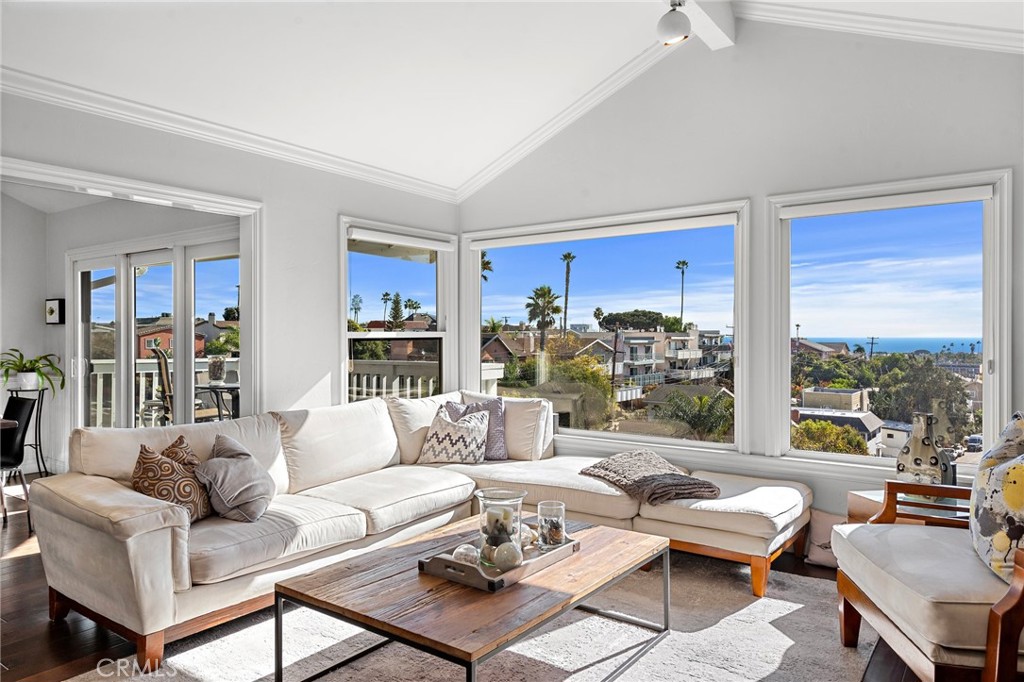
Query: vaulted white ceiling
[435,97]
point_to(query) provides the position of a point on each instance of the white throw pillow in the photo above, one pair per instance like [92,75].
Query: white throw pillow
[529,433]
[412,418]
[461,442]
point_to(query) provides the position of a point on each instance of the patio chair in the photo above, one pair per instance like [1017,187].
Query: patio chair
[203,411]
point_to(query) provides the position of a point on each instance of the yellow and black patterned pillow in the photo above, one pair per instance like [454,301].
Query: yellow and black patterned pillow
[171,476]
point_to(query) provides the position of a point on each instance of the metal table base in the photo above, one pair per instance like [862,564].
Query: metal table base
[661,630]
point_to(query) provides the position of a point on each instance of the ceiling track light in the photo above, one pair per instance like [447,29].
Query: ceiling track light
[674,27]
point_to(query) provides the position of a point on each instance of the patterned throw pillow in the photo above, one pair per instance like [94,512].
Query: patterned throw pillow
[997,500]
[495,409]
[463,441]
[170,476]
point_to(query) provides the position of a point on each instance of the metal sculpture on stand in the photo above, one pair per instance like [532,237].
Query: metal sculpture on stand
[922,459]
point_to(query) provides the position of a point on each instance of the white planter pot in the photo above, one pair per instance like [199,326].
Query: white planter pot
[28,381]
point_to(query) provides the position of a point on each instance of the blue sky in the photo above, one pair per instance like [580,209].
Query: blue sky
[215,285]
[370,276]
[912,272]
[619,274]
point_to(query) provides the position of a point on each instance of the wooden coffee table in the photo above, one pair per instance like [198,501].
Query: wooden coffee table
[384,592]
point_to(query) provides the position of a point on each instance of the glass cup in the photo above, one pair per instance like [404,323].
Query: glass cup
[550,525]
[501,512]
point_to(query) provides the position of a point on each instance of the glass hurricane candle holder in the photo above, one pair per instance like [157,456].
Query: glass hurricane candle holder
[550,524]
[501,511]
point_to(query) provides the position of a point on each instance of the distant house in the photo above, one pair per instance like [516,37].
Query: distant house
[806,346]
[579,328]
[417,322]
[599,349]
[495,348]
[867,424]
[840,347]
[891,439]
[853,399]
[161,336]
[211,327]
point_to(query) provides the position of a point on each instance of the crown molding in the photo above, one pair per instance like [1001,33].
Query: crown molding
[974,37]
[602,91]
[41,89]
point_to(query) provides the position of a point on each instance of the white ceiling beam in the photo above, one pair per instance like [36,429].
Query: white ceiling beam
[712,22]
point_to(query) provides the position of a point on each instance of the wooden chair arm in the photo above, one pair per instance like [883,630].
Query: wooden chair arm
[1005,621]
[891,503]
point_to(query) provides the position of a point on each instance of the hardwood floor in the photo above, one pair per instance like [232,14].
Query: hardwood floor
[36,650]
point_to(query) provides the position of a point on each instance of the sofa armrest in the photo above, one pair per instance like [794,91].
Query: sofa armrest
[118,552]
[1005,622]
[105,505]
[926,496]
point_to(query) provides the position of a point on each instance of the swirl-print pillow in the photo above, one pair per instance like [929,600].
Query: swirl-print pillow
[172,478]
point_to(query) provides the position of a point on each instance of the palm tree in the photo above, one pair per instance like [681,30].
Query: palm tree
[542,307]
[568,257]
[681,266]
[708,417]
[412,305]
[385,298]
[598,315]
[492,325]
[485,265]
[357,306]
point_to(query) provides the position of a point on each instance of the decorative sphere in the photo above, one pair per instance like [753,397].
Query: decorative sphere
[508,556]
[466,554]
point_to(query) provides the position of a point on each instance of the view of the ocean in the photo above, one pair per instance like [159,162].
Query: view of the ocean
[910,344]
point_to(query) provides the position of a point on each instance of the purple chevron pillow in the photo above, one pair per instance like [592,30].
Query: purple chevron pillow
[460,441]
[496,450]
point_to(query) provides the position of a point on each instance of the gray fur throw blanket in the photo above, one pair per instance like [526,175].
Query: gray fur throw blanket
[649,478]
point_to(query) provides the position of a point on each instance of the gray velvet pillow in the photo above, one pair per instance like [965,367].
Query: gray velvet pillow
[240,489]
[496,450]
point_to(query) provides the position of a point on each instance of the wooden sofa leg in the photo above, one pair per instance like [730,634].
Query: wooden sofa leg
[149,651]
[759,566]
[849,623]
[59,606]
[800,544]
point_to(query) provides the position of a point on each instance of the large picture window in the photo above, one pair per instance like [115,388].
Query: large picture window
[626,331]
[886,310]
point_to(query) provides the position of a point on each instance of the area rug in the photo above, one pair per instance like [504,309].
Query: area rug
[720,633]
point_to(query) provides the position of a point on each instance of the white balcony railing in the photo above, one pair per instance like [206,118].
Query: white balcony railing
[103,391]
[692,374]
[642,358]
[398,378]
[686,353]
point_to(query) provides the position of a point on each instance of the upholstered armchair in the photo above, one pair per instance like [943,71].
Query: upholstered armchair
[913,574]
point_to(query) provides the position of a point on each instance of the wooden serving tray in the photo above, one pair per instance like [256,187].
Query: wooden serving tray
[491,579]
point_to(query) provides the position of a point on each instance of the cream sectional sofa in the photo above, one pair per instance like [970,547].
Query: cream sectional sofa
[347,483]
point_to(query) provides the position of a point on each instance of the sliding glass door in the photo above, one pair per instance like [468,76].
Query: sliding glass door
[157,337]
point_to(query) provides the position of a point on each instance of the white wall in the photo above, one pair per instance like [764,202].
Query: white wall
[23,288]
[787,109]
[300,220]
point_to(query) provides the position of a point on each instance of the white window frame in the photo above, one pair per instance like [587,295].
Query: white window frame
[445,245]
[736,213]
[991,187]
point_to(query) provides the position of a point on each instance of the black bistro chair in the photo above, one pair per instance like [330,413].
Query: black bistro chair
[12,447]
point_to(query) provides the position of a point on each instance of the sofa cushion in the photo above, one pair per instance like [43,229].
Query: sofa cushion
[326,444]
[293,525]
[412,418]
[458,440]
[529,432]
[112,452]
[926,577]
[557,478]
[749,506]
[398,495]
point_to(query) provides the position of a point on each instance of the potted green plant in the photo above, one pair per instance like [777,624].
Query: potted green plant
[31,373]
